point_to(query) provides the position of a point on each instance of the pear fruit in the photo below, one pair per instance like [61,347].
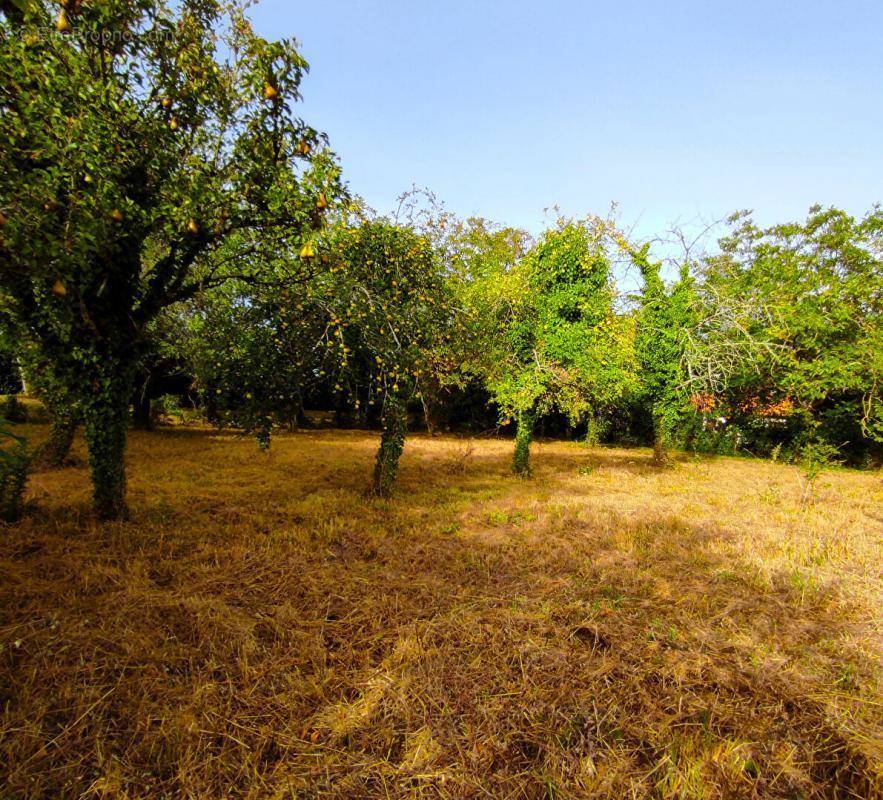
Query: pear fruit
[307,251]
[167,102]
[270,91]
[192,227]
[58,288]
[173,123]
[62,23]
[303,147]
[321,201]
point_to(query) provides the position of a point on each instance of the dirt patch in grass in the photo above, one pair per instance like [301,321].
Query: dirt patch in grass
[261,628]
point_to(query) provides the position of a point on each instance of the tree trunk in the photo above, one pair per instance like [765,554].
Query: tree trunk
[141,419]
[13,478]
[433,408]
[61,436]
[661,457]
[593,429]
[105,418]
[394,422]
[303,421]
[25,388]
[523,438]
[429,417]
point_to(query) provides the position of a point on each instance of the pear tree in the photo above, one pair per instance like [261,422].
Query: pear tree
[479,259]
[256,351]
[151,152]
[392,309]
[366,327]
[564,347]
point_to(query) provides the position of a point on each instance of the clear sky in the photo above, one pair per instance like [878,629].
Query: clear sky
[675,110]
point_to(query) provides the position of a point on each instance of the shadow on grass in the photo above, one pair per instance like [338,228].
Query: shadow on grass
[259,624]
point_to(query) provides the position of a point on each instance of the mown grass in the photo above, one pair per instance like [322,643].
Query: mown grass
[261,628]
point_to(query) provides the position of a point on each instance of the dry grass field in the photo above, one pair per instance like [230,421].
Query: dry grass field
[261,629]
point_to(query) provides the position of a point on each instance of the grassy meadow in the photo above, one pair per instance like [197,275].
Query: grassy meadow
[262,628]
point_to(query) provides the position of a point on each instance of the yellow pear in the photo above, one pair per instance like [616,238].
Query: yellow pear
[321,201]
[63,24]
[270,91]
[307,251]
[192,227]
[173,123]
[167,102]
[58,288]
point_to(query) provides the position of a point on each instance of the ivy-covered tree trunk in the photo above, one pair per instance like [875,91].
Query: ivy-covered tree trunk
[661,437]
[394,422]
[63,427]
[105,420]
[523,438]
[594,429]
[14,467]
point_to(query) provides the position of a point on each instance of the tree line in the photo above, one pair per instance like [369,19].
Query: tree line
[164,209]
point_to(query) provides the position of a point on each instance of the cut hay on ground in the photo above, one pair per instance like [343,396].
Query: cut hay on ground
[261,629]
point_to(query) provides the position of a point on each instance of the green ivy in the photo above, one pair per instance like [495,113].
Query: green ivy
[562,345]
[14,467]
[392,441]
[523,438]
[665,320]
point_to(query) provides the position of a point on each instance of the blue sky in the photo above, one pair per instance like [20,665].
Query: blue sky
[674,110]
